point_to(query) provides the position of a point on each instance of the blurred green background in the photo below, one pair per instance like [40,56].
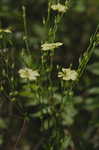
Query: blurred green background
[75,30]
[78,24]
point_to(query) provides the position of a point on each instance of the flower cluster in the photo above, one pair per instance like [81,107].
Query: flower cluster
[68,74]
[50,46]
[59,7]
[29,74]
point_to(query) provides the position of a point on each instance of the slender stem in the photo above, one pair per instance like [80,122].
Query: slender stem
[48,13]
[25,29]
[20,135]
[88,53]
[86,57]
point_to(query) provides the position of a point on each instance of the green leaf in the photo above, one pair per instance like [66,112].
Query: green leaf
[94,90]
[66,142]
[96,52]
[94,68]
[92,104]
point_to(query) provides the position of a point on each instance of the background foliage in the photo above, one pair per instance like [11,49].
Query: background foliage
[75,30]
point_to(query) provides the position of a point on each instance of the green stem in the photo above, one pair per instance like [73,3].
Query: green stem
[25,29]
[86,57]
[88,54]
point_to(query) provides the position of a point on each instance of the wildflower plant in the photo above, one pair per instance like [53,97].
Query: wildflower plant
[55,108]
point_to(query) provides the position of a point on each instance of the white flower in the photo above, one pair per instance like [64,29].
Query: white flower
[5,30]
[50,46]
[59,7]
[29,74]
[68,74]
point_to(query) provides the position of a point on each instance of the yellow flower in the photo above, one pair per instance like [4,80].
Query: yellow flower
[29,74]
[50,46]
[59,7]
[68,74]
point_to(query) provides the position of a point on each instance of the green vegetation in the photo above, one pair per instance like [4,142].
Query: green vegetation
[49,70]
